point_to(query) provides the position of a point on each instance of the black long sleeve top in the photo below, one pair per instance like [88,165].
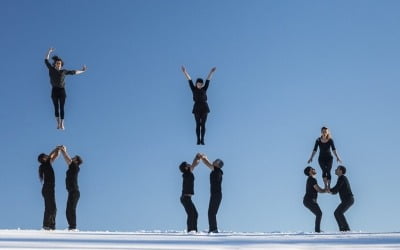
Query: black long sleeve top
[57,77]
[324,148]
[71,180]
[343,188]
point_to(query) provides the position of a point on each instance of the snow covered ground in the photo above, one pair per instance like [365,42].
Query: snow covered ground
[59,239]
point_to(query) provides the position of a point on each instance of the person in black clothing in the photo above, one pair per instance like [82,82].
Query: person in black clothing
[200,107]
[215,191]
[47,178]
[71,182]
[188,192]
[57,80]
[346,196]
[325,159]
[310,198]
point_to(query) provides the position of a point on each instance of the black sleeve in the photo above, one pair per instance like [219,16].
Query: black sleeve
[70,72]
[41,173]
[338,185]
[333,145]
[46,61]
[191,85]
[206,85]
[316,145]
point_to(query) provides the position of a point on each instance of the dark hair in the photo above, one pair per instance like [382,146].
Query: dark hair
[80,161]
[40,157]
[55,59]
[307,171]
[200,80]
[343,168]
[323,128]
[220,163]
[183,166]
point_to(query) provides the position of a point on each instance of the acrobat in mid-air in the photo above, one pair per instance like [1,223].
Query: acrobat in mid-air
[57,79]
[200,107]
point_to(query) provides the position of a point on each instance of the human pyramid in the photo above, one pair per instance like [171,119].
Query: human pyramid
[200,111]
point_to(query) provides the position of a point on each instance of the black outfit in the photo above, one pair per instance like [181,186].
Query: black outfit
[186,200]
[325,158]
[215,198]
[347,200]
[46,173]
[71,182]
[57,80]
[310,202]
[200,109]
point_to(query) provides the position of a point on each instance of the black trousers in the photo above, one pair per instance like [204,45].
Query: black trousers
[315,209]
[50,209]
[191,212]
[58,96]
[326,166]
[201,119]
[215,201]
[73,197]
[339,214]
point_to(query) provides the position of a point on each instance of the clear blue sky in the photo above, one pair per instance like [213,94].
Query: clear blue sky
[284,69]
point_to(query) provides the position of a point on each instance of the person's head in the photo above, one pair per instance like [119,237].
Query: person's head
[309,171]
[58,63]
[77,160]
[325,133]
[218,163]
[340,170]
[42,158]
[199,83]
[184,166]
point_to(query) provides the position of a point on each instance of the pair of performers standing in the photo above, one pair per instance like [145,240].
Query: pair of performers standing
[325,160]
[47,177]
[57,79]
[188,192]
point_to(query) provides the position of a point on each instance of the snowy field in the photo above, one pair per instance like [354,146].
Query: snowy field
[59,239]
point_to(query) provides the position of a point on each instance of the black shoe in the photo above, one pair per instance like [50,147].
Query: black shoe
[215,231]
[202,142]
[198,141]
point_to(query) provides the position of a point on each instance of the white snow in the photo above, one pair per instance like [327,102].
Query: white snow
[62,239]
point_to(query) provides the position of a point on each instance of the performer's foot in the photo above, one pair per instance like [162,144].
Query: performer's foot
[62,125]
[198,141]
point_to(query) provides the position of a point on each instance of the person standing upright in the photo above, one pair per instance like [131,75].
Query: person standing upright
[346,196]
[200,107]
[71,182]
[47,178]
[57,79]
[215,191]
[310,198]
[325,159]
[188,192]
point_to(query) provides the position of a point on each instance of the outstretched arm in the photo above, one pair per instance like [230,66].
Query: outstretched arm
[48,53]
[337,156]
[195,162]
[207,162]
[311,157]
[54,154]
[211,73]
[84,68]
[186,73]
[67,158]
[319,189]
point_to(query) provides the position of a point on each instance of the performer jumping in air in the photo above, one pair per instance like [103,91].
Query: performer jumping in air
[57,79]
[346,196]
[325,159]
[47,177]
[71,182]
[188,192]
[310,198]
[200,107]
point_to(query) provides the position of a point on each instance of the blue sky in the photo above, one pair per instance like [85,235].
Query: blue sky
[284,70]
